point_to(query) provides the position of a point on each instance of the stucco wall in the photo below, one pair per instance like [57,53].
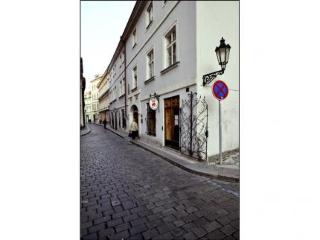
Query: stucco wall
[216,19]
[182,15]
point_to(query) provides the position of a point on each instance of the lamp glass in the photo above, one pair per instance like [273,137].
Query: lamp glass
[227,53]
[218,55]
[222,55]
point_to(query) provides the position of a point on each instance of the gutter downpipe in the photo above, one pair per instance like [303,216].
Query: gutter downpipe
[125,77]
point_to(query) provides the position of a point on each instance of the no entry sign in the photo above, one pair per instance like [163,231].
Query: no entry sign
[220,90]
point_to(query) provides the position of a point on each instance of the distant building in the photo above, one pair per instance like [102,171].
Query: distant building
[91,99]
[103,97]
[87,109]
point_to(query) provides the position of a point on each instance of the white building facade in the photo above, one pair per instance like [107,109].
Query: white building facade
[103,91]
[91,101]
[168,47]
[117,86]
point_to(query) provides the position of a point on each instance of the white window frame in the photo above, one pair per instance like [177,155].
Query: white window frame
[150,69]
[134,38]
[170,41]
[149,15]
[134,77]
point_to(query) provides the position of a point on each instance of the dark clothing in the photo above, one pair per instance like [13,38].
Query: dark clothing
[134,134]
[104,124]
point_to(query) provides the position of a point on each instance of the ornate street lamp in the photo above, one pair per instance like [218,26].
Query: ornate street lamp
[222,53]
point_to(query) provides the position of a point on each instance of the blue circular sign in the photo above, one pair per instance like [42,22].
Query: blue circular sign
[220,90]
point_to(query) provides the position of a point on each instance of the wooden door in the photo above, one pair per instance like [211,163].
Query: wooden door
[171,106]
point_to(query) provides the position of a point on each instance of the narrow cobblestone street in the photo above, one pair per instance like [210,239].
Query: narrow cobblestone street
[130,193]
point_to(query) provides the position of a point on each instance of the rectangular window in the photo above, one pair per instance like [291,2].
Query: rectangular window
[149,15]
[134,38]
[123,86]
[134,78]
[151,121]
[150,65]
[171,49]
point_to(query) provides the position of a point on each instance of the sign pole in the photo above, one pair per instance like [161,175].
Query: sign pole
[220,135]
[220,90]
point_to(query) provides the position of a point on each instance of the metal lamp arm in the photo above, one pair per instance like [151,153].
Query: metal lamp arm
[208,78]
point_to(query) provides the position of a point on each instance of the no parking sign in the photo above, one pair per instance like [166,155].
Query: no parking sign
[220,90]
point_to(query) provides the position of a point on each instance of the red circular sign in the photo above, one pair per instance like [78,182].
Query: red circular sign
[220,90]
[153,103]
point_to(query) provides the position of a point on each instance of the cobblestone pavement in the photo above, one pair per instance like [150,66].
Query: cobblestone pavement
[130,193]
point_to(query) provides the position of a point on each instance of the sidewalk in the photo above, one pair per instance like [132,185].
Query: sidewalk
[85,130]
[228,171]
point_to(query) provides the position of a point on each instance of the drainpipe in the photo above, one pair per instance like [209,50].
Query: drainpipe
[125,76]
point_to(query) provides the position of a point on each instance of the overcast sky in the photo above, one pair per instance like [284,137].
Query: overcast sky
[102,23]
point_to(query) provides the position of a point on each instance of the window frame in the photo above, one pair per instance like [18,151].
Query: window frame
[150,70]
[134,78]
[149,15]
[134,38]
[170,46]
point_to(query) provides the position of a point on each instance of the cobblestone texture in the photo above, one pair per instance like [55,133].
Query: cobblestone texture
[129,193]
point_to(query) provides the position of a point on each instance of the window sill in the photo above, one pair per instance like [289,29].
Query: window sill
[134,89]
[149,80]
[167,69]
[149,24]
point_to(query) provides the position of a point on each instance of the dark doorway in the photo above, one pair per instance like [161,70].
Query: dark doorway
[171,116]
[115,121]
[151,121]
[124,124]
[135,115]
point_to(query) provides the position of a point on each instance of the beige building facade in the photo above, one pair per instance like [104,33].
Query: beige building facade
[103,100]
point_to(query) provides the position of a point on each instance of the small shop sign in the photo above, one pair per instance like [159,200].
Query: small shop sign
[153,103]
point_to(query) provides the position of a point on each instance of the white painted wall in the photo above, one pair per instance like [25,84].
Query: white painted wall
[174,82]
[200,26]
[216,19]
[117,76]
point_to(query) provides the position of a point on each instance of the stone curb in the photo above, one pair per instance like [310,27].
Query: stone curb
[177,164]
[87,132]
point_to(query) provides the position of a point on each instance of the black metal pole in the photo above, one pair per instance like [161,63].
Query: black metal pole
[191,113]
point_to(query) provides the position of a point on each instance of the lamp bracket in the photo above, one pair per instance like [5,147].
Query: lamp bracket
[208,78]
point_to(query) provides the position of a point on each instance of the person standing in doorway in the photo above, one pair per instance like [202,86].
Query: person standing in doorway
[134,129]
[104,124]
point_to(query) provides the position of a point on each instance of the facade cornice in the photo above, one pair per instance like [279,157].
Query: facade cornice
[134,17]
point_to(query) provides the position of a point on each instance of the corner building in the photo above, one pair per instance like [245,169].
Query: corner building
[168,47]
